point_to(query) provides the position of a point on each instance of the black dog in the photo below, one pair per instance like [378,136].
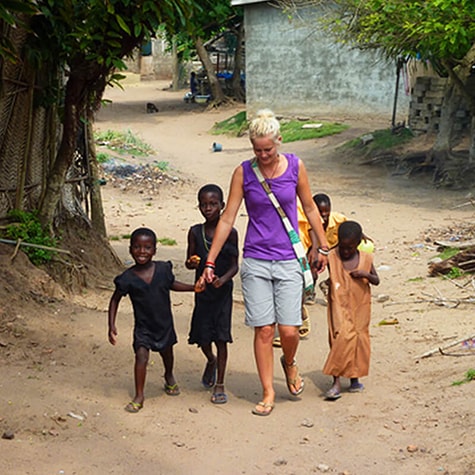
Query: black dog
[151,108]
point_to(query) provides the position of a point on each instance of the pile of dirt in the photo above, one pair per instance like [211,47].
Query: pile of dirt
[143,179]
[453,232]
[28,290]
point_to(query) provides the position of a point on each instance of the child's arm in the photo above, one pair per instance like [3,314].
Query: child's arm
[233,268]
[372,275]
[113,306]
[192,259]
[178,286]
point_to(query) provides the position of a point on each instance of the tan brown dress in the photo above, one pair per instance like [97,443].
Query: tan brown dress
[349,315]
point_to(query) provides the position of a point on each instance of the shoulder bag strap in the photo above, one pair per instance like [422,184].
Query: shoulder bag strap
[293,235]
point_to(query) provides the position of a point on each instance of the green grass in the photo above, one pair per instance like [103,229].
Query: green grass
[234,126]
[448,252]
[469,376]
[26,227]
[123,142]
[455,273]
[416,279]
[291,130]
[383,139]
[162,165]
[102,157]
[166,241]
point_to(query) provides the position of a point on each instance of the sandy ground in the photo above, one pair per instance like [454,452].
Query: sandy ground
[64,387]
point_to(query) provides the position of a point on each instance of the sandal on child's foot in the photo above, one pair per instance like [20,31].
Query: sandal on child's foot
[332,394]
[171,389]
[219,396]
[209,375]
[356,387]
[133,407]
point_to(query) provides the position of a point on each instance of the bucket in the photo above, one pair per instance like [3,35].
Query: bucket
[217,147]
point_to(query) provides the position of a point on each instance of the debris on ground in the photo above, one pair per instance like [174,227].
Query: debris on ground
[143,179]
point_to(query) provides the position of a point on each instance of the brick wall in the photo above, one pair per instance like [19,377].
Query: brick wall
[426,103]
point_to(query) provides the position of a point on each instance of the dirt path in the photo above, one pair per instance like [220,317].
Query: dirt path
[64,387]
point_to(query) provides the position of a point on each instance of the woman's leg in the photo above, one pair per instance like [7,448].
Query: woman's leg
[264,355]
[289,338]
[140,371]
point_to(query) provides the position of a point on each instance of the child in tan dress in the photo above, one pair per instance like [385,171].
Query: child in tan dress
[349,310]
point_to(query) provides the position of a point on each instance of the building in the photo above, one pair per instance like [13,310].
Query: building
[295,69]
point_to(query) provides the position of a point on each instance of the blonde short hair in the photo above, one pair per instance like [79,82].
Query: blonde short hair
[264,124]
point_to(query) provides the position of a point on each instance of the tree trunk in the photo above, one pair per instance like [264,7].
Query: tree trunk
[215,86]
[471,152]
[237,84]
[176,66]
[450,104]
[97,211]
[73,107]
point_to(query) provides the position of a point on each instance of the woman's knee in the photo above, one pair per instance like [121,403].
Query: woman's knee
[265,333]
[288,331]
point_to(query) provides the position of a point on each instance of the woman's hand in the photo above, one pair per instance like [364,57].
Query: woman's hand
[321,263]
[208,275]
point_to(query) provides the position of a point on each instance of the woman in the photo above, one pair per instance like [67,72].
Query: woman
[272,281]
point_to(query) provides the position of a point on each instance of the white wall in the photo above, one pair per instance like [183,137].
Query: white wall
[295,70]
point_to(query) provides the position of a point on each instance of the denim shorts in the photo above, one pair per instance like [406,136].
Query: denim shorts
[272,292]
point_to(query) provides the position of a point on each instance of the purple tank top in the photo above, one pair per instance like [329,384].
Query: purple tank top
[266,237]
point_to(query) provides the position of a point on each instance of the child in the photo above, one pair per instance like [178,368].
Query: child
[332,220]
[349,309]
[211,320]
[148,284]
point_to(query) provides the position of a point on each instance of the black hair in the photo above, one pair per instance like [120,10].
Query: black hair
[211,188]
[322,199]
[143,232]
[350,230]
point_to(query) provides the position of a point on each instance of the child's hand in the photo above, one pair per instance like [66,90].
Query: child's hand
[217,282]
[112,335]
[194,261]
[200,285]
[359,274]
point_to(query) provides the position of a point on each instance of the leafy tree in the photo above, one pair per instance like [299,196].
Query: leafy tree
[75,48]
[11,16]
[440,31]
[209,19]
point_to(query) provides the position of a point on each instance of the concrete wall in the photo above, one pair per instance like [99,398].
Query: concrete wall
[295,70]
[159,65]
